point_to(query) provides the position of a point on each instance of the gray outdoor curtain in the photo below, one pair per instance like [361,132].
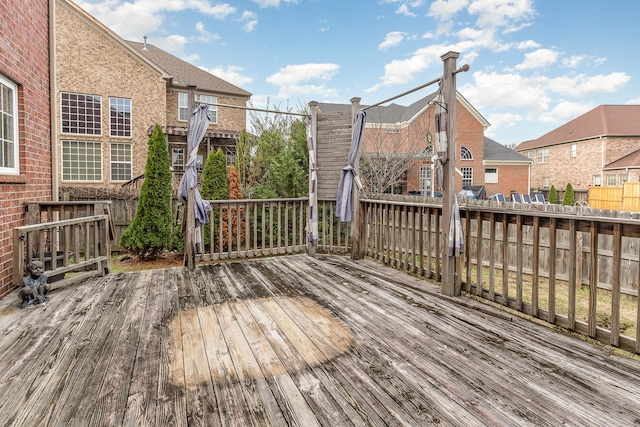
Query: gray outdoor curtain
[455,245]
[198,123]
[441,135]
[344,200]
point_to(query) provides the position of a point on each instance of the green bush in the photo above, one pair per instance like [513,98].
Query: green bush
[151,229]
[553,195]
[569,197]
[214,187]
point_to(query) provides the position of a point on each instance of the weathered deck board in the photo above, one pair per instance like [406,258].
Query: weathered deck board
[297,341]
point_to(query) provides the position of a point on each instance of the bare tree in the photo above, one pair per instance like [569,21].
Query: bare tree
[390,150]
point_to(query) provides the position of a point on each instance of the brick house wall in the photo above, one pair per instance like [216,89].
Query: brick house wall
[234,119]
[88,61]
[24,60]
[590,157]
[469,133]
[510,177]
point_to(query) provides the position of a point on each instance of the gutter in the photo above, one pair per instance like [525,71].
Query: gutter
[52,96]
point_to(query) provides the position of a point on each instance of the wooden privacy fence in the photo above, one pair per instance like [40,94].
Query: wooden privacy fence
[625,198]
[253,228]
[80,245]
[407,236]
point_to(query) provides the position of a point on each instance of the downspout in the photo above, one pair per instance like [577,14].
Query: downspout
[52,97]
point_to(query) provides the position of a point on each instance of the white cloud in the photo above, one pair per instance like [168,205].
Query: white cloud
[132,19]
[263,4]
[501,120]
[634,101]
[500,13]
[538,59]
[175,44]
[506,90]
[565,111]
[528,44]
[444,9]
[392,39]
[294,80]
[232,74]
[249,20]
[205,36]
[583,84]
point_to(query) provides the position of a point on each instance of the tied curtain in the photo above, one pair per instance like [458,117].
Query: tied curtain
[344,199]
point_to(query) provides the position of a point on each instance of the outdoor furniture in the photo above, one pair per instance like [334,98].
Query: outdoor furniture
[526,198]
[515,197]
[539,198]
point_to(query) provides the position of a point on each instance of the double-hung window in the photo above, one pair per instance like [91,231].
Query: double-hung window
[9,145]
[120,117]
[213,109]
[120,161]
[183,106]
[467,176]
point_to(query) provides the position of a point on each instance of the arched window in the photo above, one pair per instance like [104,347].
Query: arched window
[465,153]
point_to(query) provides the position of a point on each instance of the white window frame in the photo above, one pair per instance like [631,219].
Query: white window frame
[611,179]
[9,138]
[531,155]
[120,110]
[75,112]
[574,150]
[597,180]
[425,180]
[622,178]
[119,147]
[542,155]
[467,176]
[465,153]
[177,159]
[183,106]
[491,175]
[210,100]
[545,182]
[80,159]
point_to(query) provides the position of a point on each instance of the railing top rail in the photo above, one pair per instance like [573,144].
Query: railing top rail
[298,199]
[62,223]
[400,203]
[69,203]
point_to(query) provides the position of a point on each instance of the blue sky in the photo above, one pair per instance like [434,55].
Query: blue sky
[534,64]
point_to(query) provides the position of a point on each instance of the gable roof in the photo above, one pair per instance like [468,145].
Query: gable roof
[496,152]
[395,114]
[631,160]
[604,120]
[185,74]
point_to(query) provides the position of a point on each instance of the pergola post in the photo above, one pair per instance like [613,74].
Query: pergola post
[448,83]
[355,216]
[189,241]
[312,147]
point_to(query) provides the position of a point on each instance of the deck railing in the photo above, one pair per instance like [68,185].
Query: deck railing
[80,245]
[531,261]
[252,228]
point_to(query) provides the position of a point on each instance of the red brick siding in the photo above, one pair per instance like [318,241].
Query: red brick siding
[24,59]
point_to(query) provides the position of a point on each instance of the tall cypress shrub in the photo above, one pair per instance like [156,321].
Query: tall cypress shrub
[553,195]
[569,197]
[150,231]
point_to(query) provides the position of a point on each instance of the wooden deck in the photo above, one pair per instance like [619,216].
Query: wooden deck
[294,340]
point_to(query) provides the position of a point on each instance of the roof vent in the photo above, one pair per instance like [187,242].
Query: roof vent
[145,43]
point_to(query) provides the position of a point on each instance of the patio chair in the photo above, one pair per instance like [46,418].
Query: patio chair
[539,198]
[526,198]
[515,197]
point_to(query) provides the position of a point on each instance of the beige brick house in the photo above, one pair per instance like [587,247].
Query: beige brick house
[397,129]
[110,93]
[594,149]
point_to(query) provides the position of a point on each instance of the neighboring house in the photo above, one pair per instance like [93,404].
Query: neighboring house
[110,93]
[25,120]
[588,150]
[410,131]
[504,169]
